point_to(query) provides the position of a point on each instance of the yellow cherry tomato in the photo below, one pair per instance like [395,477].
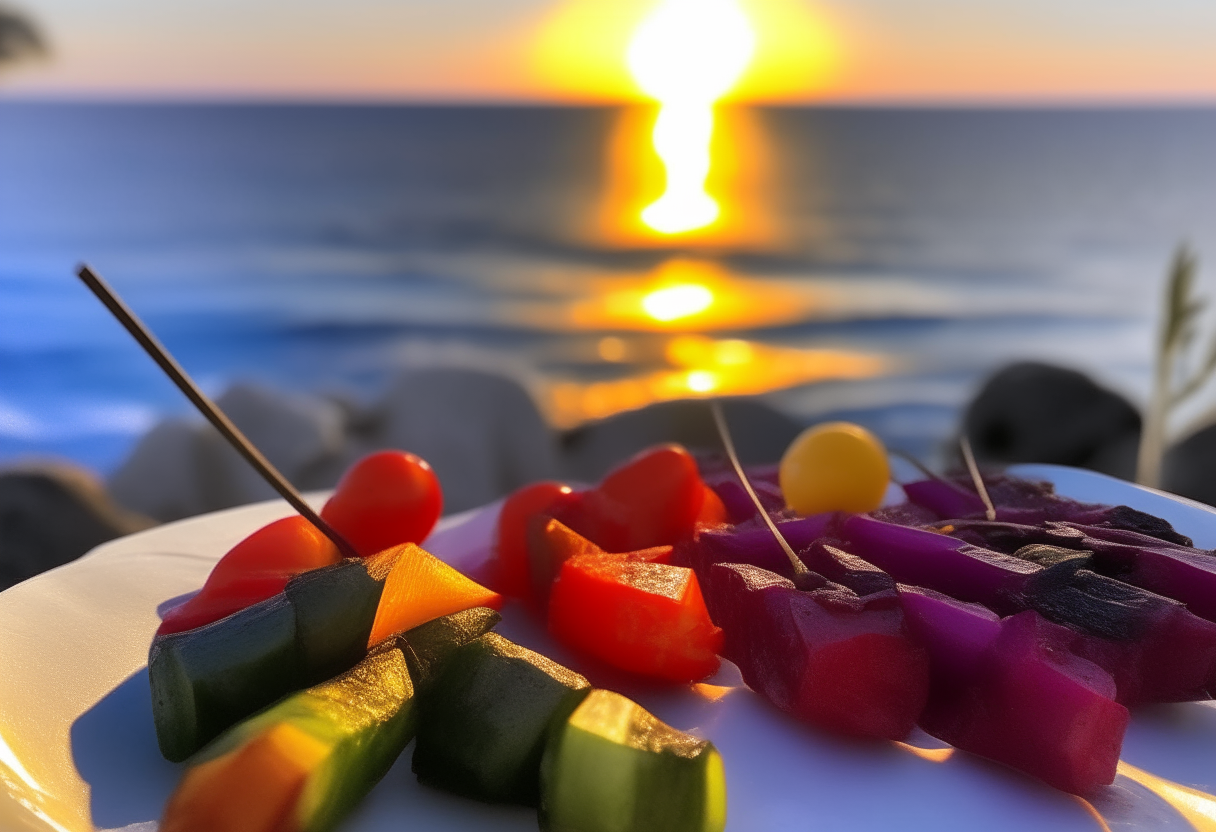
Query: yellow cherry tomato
[836,466]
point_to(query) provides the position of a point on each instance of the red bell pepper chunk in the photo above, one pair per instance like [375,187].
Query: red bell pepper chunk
[713,511]
[654,499]
[551,543]
[255,569]
[646,618]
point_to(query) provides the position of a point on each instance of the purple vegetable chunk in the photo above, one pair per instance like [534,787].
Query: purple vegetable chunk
[942,563]
[1011,690]
[1184,574]
[752,543]
[1031,503]
[828,657]
[1008,538]
[739,506]
[956,634]
[837,565]
[944,499]
[1155,649]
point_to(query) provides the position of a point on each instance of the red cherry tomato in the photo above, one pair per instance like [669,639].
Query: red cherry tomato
[511,536]
[255,569]
[385,499]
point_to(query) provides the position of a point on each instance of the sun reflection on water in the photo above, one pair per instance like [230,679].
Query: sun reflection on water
[672,303]
[689,295]
[695,366]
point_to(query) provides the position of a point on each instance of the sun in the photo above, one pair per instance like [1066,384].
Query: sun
[687,54]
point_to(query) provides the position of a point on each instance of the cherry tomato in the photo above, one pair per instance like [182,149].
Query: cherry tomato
[385,499]
[836,466]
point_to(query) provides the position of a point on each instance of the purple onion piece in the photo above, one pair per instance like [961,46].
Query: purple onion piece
[944,499]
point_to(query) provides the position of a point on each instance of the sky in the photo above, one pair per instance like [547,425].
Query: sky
[848,51]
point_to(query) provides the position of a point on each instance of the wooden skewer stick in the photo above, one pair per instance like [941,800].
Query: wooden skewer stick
[917,464]
[729,444]
[968,457]
[207,407]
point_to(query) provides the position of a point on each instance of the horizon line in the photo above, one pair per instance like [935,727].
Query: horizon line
[229,98]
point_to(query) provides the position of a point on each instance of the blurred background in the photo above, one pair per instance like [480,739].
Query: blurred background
[500,232]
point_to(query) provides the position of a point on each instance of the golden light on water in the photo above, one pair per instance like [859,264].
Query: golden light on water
[689,294]
[691,174]
[683,300]
[687,55]
[695,366]
[741,181]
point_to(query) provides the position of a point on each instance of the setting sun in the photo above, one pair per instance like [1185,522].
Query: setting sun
[687,55]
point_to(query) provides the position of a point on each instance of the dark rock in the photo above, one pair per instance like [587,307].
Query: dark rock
[51,514]
[1032,412]
[1189,468]
[761,434]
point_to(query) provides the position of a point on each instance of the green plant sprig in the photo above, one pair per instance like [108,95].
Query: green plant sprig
[1171,384]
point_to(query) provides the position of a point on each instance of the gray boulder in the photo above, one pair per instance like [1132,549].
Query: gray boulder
[295,433]
[51,514]
[162,478]
[482,433]
[182,468]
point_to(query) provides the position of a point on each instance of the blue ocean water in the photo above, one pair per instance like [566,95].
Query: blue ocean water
[322,248]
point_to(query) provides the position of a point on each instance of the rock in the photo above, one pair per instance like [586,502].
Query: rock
[1189,466]
[183,468]
[482,433]
[51,514]
[1031,412]
[162,477]
[760,432]
[295,433]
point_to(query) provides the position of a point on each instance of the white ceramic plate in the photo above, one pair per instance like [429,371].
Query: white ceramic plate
[78,752]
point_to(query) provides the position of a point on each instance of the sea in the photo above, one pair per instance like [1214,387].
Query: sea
[323,249]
